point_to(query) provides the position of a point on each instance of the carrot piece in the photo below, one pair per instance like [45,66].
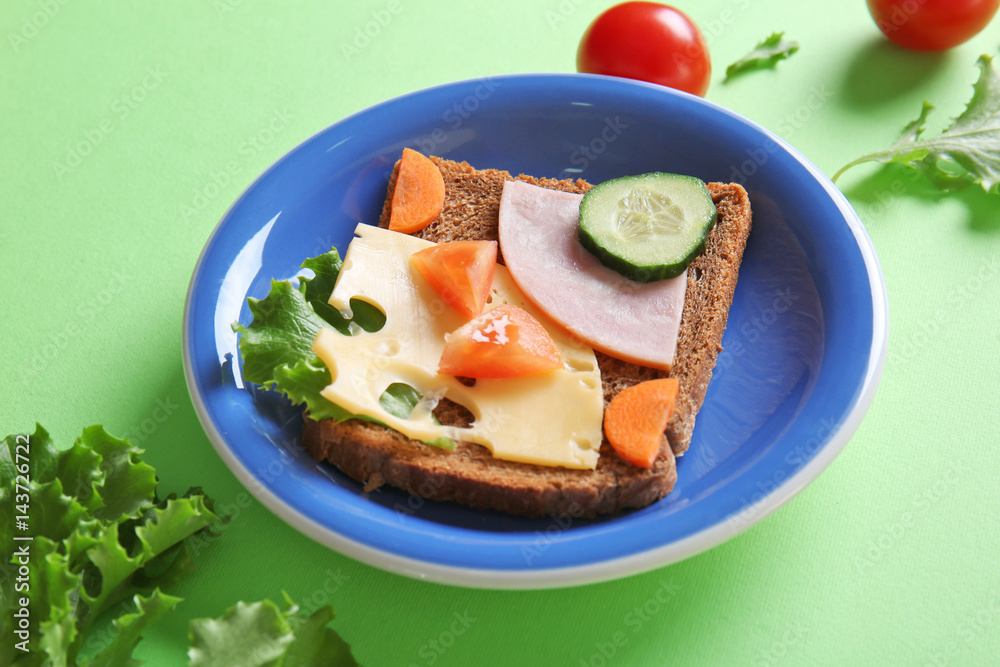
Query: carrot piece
[419,195]
[635,419]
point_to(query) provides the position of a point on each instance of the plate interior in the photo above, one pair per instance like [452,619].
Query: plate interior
[802,338]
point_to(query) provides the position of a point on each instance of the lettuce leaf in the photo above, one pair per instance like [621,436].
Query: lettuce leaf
[129,627]
[100,535]
[100,539]
[966,153]
[767,53]
[277,344]
[260,633]
[281,333]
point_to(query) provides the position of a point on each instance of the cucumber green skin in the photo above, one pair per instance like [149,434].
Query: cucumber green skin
[645,273]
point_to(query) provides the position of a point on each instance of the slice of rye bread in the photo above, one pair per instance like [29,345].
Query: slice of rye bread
[470,475]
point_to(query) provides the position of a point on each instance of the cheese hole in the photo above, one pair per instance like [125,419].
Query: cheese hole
[589,382]
[579,365]
[450,413]
[367,315]
[582,443]
[387,348]
[399,399]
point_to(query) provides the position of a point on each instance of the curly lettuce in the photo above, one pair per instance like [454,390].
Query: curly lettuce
[277,344]
[85,534]
[95,535]
[966,153]
[767,53]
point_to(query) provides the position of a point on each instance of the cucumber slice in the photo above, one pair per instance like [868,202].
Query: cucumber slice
[647,227]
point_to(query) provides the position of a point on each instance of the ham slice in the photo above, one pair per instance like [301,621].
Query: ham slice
[628,320]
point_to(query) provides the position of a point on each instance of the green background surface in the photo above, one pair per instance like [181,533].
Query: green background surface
[890,557]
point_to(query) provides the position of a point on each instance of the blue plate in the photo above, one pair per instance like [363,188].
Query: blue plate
[804,348]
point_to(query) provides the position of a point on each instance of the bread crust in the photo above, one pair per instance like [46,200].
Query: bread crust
[376,455]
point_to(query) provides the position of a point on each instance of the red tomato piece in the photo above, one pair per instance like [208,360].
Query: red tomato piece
[650,42]
[931,25]
[460,271]
[503,342]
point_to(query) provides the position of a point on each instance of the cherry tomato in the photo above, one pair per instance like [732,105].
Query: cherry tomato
[650,42]
[931,25]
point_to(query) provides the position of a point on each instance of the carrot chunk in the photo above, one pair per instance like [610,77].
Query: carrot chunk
[635,419]
[419,194]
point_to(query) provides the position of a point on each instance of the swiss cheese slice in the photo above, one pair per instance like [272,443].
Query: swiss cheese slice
[553,418]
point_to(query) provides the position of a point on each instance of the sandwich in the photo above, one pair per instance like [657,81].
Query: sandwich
[375,454]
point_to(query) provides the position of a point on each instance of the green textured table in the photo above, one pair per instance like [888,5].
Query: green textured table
[126,130]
